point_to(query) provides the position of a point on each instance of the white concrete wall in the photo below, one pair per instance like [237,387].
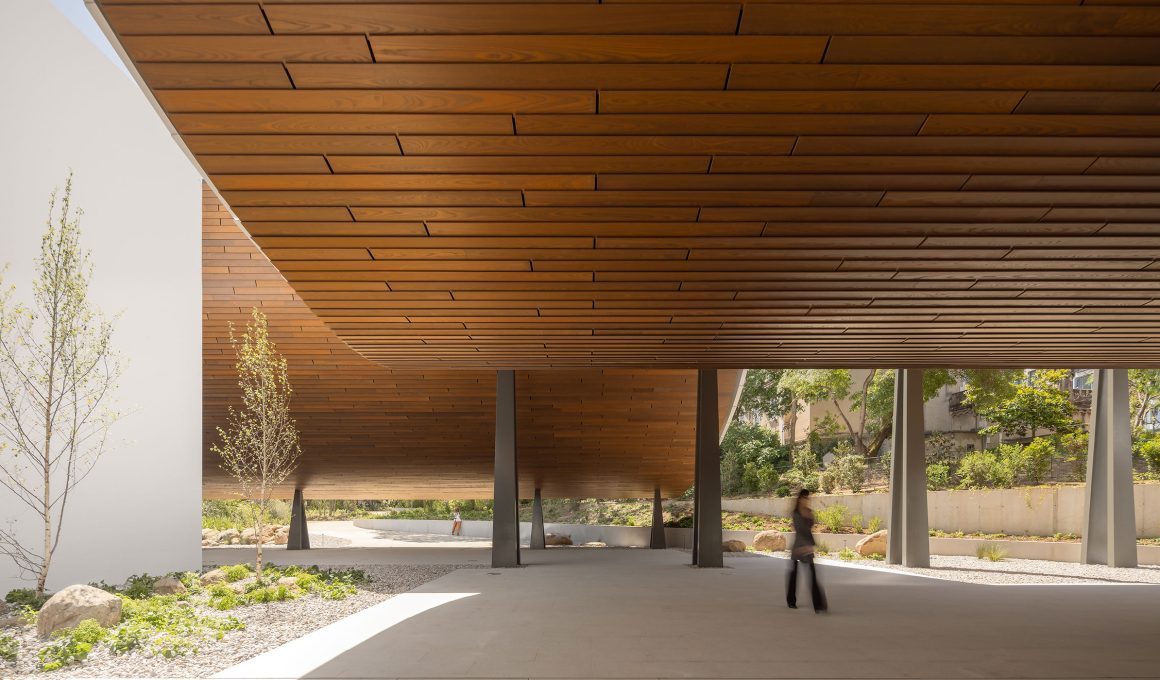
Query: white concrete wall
[1031,511]
[67,106]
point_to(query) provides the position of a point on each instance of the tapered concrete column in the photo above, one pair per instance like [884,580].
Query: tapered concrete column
[1109,535]
[908,539]
[657,538]
[505,528]
[707,550]
[537,522]
[299,538]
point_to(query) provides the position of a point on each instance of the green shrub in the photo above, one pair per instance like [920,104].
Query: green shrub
[849,470]
[990,551]
[71,645]
[856,523]
[224,601]
[827,481]
[1032,462]
[985,470]
[9,647]
[237,572]
[875,525]
[1149,450]
[833,517]
[804,472]
[938,476]
[166,626]
[821,548]
[25,597]
[847,555]
[140,587]
[266,594]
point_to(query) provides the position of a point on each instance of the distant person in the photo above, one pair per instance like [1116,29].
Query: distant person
[456,524]
[803,551]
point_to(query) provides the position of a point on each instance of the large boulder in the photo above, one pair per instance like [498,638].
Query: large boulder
[874,544]
[733,546]
[229,536]
[74,604]
[249,535]
[167,585]
[769,541]
[557,539]
[211,577]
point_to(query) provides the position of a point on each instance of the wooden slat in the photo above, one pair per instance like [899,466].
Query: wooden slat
[510,76]
[902,19]
[810,102]
[256,48]
[683,184]
[502,18]
[228,75]
[1085,51]
[597,49]
[378,101]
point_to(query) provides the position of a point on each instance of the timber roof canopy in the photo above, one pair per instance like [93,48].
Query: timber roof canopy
[374,432]
[691,184]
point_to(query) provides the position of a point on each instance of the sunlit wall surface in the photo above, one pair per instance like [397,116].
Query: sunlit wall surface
[67,106]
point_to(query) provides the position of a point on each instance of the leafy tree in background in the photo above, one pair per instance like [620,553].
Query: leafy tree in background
[763,395]
[870,418]
[1034,403]
[751,456]
[259,447]
[58,372]
[1144,384]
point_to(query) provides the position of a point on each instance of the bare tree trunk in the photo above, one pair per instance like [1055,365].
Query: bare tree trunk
[261,510]
[855,437]
[789,428]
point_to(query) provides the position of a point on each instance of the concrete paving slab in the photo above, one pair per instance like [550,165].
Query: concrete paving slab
[577,613]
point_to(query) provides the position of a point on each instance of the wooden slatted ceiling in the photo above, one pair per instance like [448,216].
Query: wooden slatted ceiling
[374,432]
[679,184]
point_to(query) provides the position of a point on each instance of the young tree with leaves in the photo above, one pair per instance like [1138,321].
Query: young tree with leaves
[1033,403]
[869,418]
[58,372]
[259,447]
[1144,387]
[762,394]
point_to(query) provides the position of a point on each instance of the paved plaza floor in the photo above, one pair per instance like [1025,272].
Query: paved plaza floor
[638,613]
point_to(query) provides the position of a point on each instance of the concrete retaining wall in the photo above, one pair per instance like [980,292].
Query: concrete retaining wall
[1031,511]
[638,537]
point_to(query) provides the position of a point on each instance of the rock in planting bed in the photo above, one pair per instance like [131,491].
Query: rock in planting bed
[255,627]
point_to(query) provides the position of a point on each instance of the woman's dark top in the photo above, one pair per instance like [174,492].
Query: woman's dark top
[803,529]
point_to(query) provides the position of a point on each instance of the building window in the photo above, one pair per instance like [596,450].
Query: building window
[1082,379]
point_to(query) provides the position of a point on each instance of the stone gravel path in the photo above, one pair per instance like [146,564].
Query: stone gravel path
[267,626]
[1016,571]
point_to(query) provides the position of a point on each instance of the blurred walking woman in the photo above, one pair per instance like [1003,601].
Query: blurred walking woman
[803,551]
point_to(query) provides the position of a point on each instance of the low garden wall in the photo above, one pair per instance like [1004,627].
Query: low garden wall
[1030,511]
[638,537]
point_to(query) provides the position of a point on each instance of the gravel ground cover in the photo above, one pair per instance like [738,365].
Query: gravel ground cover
[267,626]
[1016,571]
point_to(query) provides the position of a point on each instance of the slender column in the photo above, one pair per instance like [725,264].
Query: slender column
[1109,535]
[657,538]
[708,520]
[696,503]
[505,534]
[299,538]
[537,522]
[908,538]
